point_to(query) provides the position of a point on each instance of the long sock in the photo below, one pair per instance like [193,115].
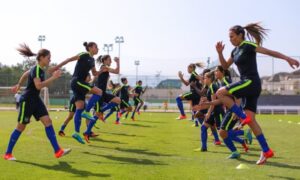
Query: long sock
[92,102]
[108,106]
[215,133]
[204,136]
[233,135]
[180,106]
[117,117]
[90,126]
[263,143]
[133,113]
[13,140]
[229,144]
[237,110]
[52,138]
[109,113]
[77,119]
[62,128]
[239,132]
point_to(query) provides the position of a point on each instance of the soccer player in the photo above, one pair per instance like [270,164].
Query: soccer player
[192,95]
[85,63]
[138,102]
[32,104]
[110,100]
[125,94]
[249,87]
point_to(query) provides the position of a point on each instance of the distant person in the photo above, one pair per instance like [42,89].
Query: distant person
[17,99]
[249,87]
[138,91]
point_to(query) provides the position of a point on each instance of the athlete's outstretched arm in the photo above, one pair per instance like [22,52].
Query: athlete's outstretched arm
[55,68]
[292,62]
[225,64]
[22,79]
[40,84]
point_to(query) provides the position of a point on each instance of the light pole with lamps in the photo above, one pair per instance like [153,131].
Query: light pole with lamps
[137,63]
[41,38]
[108,48]
[119,40]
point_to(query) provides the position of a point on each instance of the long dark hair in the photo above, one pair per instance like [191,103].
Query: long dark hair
[102,58]
[88,45]
[199,65]
[254,32]
[24,50]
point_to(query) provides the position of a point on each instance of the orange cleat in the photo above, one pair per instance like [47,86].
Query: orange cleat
[181,117]
[62,152]
[86,137]
[264,156]
[9,157]
[61,133]
[217,143]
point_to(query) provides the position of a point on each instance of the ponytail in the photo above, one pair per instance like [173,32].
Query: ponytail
[24,50]
[199,65]
[88,45]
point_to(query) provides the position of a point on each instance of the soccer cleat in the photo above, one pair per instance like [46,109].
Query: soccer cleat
[61,133]
[93,134]
[62,152]
[88,116]
[9,157]
[181,117]
[234,155]
[217,143]
[132,119]
[195,125]
[248,136]
[246,148]
[246,121]
[138,112]
[117,122]
[86,137]
[264,156]
[78,138]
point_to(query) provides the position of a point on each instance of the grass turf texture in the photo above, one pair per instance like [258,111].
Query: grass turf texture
[155,147]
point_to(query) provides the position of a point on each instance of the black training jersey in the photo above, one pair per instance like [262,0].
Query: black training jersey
[225,81]
[85,63]
[244,56]
[193,78]
[31,90]
[102,80]
[116,92]
[212,89]
[138,90]
[124,93]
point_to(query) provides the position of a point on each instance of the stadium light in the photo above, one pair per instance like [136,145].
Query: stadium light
[41,38]
[119,40]
[137,63]
[108,48]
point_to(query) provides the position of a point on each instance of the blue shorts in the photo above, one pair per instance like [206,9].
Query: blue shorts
[31,106]
[247,89]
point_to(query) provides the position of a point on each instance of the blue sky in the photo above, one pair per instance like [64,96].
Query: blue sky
[164,35]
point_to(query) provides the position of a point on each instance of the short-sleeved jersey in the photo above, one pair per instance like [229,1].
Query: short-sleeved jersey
[124,92]
[83,66]
[116,92]
[102,80]
[138,90]
[225,81]
[193,78]
[244,56]
[31,90]
[212,89]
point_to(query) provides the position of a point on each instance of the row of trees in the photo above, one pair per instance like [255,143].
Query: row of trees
[11,74]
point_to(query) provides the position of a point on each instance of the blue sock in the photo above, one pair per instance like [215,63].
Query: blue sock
[108,114]
[96,118]
[229,144]
[12,141]
[90,126]
[237,110]
[238,132]
[263,143]
[215,133]
[62,128]
[108,106]
[204,136]
[92,102]
[234,136]
[180,106]
[77,119]
[52,138]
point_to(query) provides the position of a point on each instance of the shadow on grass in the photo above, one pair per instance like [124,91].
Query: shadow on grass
[107,141]
[137,125]
[153,121]
[282,177]
[275,164]
[122,134]
[128,160]
[65,167]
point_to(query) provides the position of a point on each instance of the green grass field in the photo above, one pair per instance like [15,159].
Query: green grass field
[155,147]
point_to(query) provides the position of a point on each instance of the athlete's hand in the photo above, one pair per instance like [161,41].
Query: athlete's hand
[15,88]
[116,59]
[52,69]
[220,47]
[293,62]
[180,74]
[56,74]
